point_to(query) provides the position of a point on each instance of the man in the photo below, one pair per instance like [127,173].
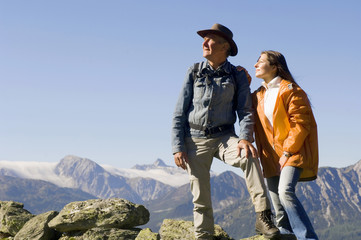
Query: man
[203,128]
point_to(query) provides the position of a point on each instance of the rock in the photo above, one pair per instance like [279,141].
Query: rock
[111,234]
[184,230]
[108,213]
[104,234]
[12,217]
[5,236]
[72,236]
[37,228]
[147,234]
[257,237]
[283,237]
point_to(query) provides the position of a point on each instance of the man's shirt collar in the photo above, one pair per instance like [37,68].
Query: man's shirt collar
[225,67]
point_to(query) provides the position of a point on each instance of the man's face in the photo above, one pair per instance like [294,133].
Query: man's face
[214,47]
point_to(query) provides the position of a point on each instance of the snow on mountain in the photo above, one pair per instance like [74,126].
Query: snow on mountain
[34,170]
[48,171]
[159,171]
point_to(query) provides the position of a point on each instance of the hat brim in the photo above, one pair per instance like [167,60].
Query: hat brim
[234,49]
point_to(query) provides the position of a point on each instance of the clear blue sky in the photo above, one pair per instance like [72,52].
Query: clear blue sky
[99,79]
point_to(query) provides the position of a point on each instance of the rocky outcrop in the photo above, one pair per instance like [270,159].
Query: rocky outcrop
[108,219]
[103,233]
[180,230]
[13,216]
[115,219]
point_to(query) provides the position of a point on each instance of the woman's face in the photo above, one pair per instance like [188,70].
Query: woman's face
[264,70]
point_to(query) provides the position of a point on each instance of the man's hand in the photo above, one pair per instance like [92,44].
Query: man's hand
[180,159]
[248,147]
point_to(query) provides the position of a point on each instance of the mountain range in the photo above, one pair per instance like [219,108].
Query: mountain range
[333,200]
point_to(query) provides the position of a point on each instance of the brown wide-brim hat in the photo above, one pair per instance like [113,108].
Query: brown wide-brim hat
[224,32]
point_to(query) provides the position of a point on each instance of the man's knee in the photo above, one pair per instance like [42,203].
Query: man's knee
[203,208]
[247,162]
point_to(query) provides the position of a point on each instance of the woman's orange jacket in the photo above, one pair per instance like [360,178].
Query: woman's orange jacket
[294,131]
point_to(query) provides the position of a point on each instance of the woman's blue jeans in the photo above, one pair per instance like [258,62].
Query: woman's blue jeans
[291,217]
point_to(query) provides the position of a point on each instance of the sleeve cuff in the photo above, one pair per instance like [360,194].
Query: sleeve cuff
[178,149]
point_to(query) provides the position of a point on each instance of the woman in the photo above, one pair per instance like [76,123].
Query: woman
[286,138]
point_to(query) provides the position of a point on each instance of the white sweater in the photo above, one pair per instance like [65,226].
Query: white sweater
[270,97]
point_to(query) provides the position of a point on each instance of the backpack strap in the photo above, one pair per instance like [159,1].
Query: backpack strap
[234,76]
[234,71]
[195,70]
[234,80]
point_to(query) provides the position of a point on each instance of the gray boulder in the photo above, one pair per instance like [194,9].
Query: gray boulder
[100,213]
[12,217]
[37,228]
[184,230]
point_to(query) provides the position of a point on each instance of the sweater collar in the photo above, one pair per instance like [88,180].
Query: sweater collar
[274,83]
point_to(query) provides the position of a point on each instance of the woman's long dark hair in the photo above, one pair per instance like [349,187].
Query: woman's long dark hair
[277,59]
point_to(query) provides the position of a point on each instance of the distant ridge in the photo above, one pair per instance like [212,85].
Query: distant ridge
[157,164]
[39,196]
[66,172]
[333,200]
[146,183]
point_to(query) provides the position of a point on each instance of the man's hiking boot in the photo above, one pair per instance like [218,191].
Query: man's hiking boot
[265,225]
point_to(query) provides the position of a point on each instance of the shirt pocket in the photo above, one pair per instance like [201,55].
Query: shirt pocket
[199,89]
[227,89]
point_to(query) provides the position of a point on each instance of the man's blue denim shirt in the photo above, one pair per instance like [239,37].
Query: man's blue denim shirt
[209,101]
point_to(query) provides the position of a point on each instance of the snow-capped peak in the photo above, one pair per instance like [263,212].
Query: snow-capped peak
[158,170]
[68,170]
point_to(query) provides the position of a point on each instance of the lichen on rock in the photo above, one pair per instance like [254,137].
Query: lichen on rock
[108,213]
[37,228]
[180,230]
[13,217]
